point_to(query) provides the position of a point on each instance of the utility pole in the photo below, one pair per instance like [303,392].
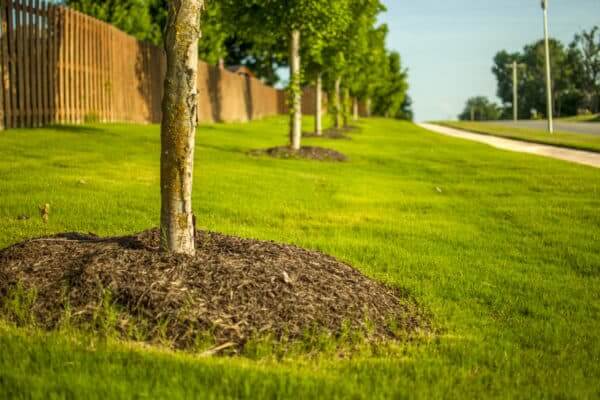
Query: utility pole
[548,72]
[514,67]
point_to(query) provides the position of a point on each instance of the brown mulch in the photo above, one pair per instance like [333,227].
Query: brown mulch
[233,289]
[328,134]
[305,152]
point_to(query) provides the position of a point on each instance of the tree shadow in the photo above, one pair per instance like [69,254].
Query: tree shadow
[150,71]
[214,77]
[248,101]
[76,129]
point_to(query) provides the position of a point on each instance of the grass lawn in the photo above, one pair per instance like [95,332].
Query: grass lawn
[582,118]
[502,248]
[580,141]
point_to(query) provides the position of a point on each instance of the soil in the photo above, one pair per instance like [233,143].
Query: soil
[305,152]
[233,289]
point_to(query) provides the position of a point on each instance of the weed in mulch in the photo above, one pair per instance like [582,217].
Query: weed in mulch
[233,292]
[305,152]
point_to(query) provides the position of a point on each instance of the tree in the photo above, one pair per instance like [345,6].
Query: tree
[586,47]
[391,93]
[405,112]
[361,66]
[178,126]
[480,108]
[566,87]
[288,21]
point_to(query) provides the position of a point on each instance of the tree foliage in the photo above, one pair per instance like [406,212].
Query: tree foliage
[339,39]
[586,47]
[390,94]
[480,108]
[131,16]
[575,76]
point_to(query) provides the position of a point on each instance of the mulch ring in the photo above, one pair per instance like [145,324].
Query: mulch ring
[233,289]
[305,152]
[328,134]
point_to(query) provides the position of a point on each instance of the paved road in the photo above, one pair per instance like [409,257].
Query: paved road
[592,128]
[575,156]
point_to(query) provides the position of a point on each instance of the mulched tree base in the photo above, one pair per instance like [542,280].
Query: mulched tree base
[328,134]
[305,152]
[233,290]
[342,130]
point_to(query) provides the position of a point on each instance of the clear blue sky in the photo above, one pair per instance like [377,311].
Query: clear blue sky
[448,45]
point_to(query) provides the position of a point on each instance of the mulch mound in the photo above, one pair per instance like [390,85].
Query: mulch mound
[305,152]
[328,134]
[233,289]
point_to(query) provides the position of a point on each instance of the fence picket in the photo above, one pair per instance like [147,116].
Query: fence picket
[59,65]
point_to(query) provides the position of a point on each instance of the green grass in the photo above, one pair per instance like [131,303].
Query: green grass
[579,141]
[582,118]
[506,258]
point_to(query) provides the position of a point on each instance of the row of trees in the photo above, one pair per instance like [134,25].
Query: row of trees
[575,80]
[335,44]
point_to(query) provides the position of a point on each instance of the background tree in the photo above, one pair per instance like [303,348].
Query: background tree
[391,93]
[178,126]
[361,66]
[566,64]
[287,23]
[480,108]
[405,112]
[586,47]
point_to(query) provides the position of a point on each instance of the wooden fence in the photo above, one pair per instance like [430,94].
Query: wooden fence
[61,66]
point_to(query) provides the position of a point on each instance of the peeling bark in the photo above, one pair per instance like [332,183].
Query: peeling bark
[295,91]
[318,106]
[178,128]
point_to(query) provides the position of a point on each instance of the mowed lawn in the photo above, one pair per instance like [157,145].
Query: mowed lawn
[578,141]
[503,249]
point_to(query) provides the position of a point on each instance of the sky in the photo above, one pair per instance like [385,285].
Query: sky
[448,45]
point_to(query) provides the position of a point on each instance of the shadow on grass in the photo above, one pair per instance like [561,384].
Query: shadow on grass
[228,149]
[85,129]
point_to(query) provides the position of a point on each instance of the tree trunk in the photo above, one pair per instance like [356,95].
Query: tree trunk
[354,109]
[336,99]
[318,106]
[295,91]
[178,127]
[346,104]
[368,107]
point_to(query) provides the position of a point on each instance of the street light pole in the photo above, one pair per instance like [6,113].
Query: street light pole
[548,73]
[515,93]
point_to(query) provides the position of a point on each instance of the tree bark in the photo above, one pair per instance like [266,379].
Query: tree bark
[178,128]
[336,99]
[345,103]
[295,91]
[318,106]
[354,109]
[368,107]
